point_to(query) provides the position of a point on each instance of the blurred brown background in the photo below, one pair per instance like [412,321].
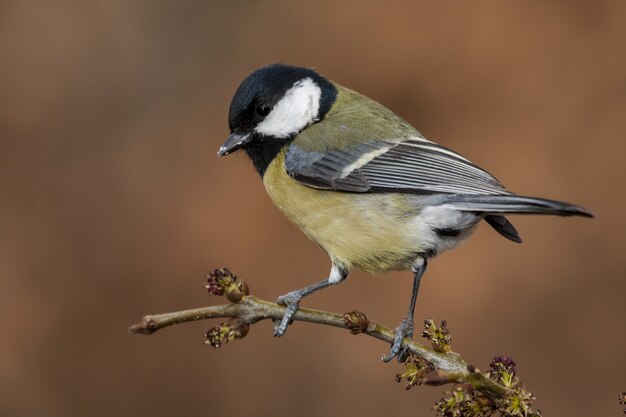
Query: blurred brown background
[114,204]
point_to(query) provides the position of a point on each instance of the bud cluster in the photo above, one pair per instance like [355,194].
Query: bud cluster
[465,401]
[224,282]
[416,369]
[503,371]
[226,332]
[439,337]
[356,321]
[462,401]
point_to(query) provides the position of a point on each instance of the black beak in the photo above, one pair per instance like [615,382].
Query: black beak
[234,142]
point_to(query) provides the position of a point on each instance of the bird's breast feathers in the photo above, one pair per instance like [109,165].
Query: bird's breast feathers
[374,232]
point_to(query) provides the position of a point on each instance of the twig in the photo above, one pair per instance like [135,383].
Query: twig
[475,393]
[450,366]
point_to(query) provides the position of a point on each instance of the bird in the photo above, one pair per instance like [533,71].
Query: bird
[362,183]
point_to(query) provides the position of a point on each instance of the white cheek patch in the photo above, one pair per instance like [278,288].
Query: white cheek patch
[297,109]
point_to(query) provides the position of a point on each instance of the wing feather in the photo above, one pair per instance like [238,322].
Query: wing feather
[411,165]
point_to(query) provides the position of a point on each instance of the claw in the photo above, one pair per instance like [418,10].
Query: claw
[405,329]
[292,302]
[292,299]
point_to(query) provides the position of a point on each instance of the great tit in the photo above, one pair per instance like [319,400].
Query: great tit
[361,182]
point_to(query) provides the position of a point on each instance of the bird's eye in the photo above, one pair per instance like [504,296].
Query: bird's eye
[262,110]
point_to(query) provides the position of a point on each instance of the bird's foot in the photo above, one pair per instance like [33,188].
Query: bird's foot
[292,302]
[405,329]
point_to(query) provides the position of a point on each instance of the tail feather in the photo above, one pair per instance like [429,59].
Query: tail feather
[503,226]
[514,204]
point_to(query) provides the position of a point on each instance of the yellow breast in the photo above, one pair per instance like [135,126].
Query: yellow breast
[372,232]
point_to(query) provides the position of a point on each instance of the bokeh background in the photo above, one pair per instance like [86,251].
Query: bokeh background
[114,204]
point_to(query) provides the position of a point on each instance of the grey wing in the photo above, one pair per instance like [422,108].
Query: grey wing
[411,165]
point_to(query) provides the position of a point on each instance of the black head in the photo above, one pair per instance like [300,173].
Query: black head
[271,106]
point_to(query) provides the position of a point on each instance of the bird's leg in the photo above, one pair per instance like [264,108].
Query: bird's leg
[292,300]
[405,329]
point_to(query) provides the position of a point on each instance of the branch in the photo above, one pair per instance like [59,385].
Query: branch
[434,365]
